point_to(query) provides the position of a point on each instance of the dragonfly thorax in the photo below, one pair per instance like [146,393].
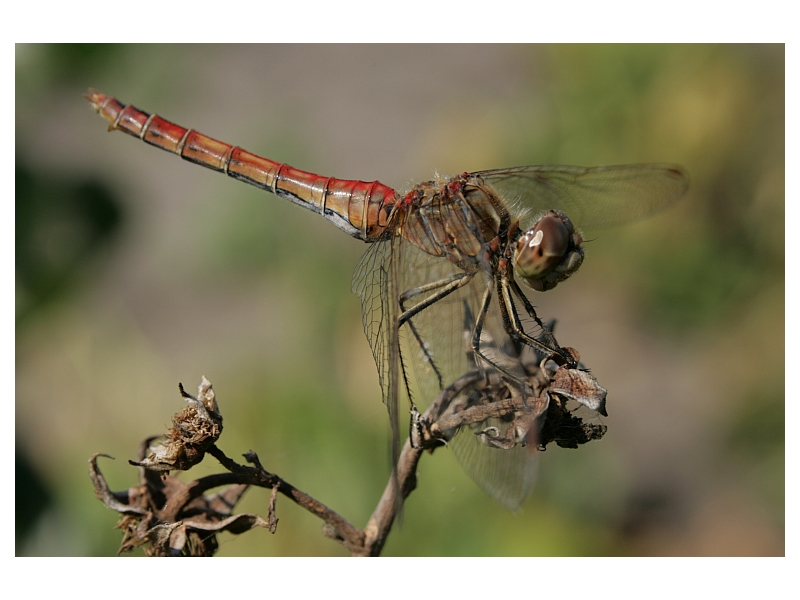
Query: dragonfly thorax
[549,252]
[454,219]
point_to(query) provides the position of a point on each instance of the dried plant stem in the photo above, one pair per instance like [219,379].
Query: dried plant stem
[168,517]
[350,536]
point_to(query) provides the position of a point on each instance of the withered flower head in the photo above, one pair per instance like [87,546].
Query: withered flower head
[195,429]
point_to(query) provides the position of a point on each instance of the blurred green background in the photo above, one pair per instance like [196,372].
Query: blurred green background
[136,270]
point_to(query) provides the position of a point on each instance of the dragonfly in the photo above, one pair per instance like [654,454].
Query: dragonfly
[443,248]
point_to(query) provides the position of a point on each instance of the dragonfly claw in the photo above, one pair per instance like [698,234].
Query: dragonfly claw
[491,437]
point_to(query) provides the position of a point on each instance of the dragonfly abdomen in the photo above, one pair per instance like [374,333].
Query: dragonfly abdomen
[359,208]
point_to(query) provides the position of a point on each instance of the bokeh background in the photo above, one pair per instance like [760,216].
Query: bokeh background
[136,270]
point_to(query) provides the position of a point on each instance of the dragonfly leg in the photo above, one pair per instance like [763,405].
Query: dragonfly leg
[415,434]
[514,326]
[476,342]
[448,285]
[445,286]
[492,437]
[529,308]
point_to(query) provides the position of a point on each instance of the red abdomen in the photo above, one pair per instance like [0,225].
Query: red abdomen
[359,208]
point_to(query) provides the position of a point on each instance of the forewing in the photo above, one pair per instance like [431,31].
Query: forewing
[446,329]
[433,349]
[591,196]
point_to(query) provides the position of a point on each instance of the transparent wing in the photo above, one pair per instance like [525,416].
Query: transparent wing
[374,280]
[433,349]
[436,346]
[507,475]
[591,196]
[370,283]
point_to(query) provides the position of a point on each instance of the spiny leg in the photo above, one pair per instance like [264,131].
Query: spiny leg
[468,329]
[448,286]
[476,341]
[514,326]
[529,308]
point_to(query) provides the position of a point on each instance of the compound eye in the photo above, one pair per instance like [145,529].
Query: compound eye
[541,249]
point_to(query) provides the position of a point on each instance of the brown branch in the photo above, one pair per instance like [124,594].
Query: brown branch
[381,521]
[350,536]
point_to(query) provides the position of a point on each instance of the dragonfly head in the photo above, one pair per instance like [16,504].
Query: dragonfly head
[549,252]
